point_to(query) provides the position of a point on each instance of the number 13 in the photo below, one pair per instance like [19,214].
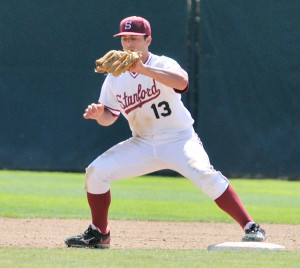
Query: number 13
[166,109]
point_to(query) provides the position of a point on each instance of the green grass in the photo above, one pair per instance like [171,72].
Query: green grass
[143,258]
[62,195]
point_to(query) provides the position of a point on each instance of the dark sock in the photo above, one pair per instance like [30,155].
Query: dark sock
[99,204]
[232,205]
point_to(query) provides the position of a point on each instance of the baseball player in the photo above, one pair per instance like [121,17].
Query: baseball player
[163,137]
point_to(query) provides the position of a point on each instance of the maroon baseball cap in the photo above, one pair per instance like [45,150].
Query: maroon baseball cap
[134,26]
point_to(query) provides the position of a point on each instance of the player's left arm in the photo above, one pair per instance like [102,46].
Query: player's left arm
[174,79]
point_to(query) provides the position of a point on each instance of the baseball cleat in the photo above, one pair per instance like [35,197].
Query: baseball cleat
[89,239]
[254,234]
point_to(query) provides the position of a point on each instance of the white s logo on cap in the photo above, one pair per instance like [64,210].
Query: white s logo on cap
[128,25]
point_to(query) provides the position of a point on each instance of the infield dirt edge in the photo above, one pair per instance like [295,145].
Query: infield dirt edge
[51,233]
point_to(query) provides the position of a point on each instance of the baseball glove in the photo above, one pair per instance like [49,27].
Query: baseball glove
[117,62]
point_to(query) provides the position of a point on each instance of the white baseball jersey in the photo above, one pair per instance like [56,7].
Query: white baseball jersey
[151,108]
[163,135]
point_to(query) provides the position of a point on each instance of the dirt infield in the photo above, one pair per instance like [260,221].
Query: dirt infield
[50,233]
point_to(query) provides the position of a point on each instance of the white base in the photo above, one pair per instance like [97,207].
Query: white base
[245,246]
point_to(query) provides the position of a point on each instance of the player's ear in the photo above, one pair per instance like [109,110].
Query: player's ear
[148,40]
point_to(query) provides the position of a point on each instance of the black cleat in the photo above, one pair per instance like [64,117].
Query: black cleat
[254,234]
[90,238]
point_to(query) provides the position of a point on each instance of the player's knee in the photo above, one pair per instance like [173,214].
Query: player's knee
[94,180]
[213,184]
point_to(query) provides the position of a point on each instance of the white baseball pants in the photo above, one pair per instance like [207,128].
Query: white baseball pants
[138,156]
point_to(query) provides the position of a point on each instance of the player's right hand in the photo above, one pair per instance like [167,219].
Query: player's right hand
[93,111]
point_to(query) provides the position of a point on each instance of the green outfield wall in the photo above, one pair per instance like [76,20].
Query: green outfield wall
[242,58]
